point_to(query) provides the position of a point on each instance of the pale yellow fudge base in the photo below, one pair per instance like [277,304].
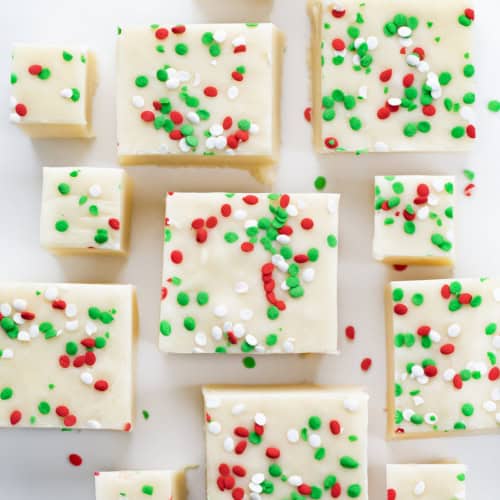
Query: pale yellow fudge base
[445,404]
[113,200]
[33,381]
[139,485]
[440,481]
[284,413]
[47,128]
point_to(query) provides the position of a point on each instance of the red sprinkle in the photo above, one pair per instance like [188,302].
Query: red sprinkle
[35,69]
[457,381]
[59,304]
[408,80]
[21,109]
[226,210]
[239,471]
[494,373]
[15,417]
[114,223]
[237,76]
[350,332]
[227,123]
[240,447]
[424,331]
[429,110]
[391,494]
[147,116]
[212,222]
[471,131]
[338,12]
[400,267]
[64,361]
[335,427]
[176,256]
[308,114]
[28,316]
[224,470]
[210,91]
[336,490]
[445,291]
[75,459]
[161,33]
[62,411]
[69,421]
[176,117]
[383,113]
[331,143]
[470,13]
[400,309]
[238,493]
[386,75]
[447,349]
[431,370]
[338,44]
[179,29]
[307,223]
[366,364]
[101,385]
[250,199]
[247,246]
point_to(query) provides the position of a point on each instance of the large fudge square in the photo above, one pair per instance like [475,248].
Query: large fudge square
[140,485]
[392,75]
[286,442]
[52,89]
[250,273]
[205,94]
[414,219]
[66,355]
[441,481]
[85,210]
[443,345]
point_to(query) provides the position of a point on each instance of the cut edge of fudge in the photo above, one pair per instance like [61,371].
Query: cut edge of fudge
[65,130]
[261,167]
[125,226]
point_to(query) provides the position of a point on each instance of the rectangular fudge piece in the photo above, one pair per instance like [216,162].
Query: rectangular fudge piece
[85,210]
[426,481]
[52,89]
[392,75]
[138,485]
[414,219]
[443,367]
[66,354]
[250,273]
[204,94]
[286,442]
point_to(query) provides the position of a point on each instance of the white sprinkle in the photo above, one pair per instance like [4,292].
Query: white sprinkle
[71,326]
[219,36]
[93,424]
[250,223]
[138,101]
[183,76]
[404,31]
[238,409]
[434,336]
[240,214]
[23,336]
[255,496]
[12,102]
[210,143]
[308,274]
[394,101]
[66,93]
[351,405]
[419,488]
[372,42]
[363,92]
[51,293]
[381,147]
[423,213]
[254,129]
[213,402]
[95,190]
[251,340]
[246,314]
[229,444]
[284,286]
[283,239]
[216,129]
[20,304]
[5,309]
[430,418]
[86,378]
[90,328]
[496,294]
[292,435]
[454,330]
[449,374]
[34,332]
[288,346]
[193,117]
[332,206]
[417,371]
[496,342]
[418,400]
[220,142]
[358,42]
[233,92]
[214,427]
[220,311]
[412,59]
[239,330]
[71,310]
[467,113]
[256,488]
[406,42]
[432,200]
[200,339]
[260,419]
[356,60]
[314,440]
[184,146]
[424,379]
[258,478]
[423,66]
[14,118]
[495,394]
[228,326]
[438,185]
[292,210]
[490,406]
[408,413]
[172,83]
[18,319]
[295,480]
[7,354]
[239,40]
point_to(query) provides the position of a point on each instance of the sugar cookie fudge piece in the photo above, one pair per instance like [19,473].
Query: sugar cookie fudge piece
[392,75]
[443,348]
[205,94]
[66,355]
[426,481]
[85,210]
[414,219]
[52,89]
[138,485]
[250,273]
[286,442]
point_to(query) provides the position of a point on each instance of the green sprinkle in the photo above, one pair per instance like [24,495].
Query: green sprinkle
[467,409]
[445,78]
[67,56]
[44,408]
[64,188]
[145,414]
[348,462]
[44,74]
[6,393]
[314,422]
[410,130]
[409,227]
[165,328]
[181,49]
[202,298]
[469,98]
[469,70]
[13,78]
[249,362]
[71,348]
[355,123]
[494,106]
[458,132]
[320,183]
[231,237]
[417,299]
[273,312]
[182,299]
[189,323]
[101,236]
[141,81]
[271,339]
[93,210]
[147,489]
[320,454]
[354,490]
[62,226]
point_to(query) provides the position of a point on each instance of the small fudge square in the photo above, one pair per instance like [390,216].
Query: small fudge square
[66,353]
[286,442]
[201,93]
[139,485]
[52,89]
[440,481]
[443,357]
[250,273]
[414,219]
[85,210]
[392,75]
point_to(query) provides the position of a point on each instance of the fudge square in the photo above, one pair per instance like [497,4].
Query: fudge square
[286,442]
[392,75]
[440,481]
[138,485]
[414,219]
[250,273]
[85,210]
[205,94]
[443,347]
[66,354]
[52,89]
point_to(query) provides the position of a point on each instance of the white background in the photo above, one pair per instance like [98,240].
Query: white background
[33,464]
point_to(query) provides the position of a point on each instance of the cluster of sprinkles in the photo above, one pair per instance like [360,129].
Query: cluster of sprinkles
[398,204]
[437,357]
[419,93]
[20,110]
[88,336]
[88,202]
[249,432]
[285,272]
[182,108]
